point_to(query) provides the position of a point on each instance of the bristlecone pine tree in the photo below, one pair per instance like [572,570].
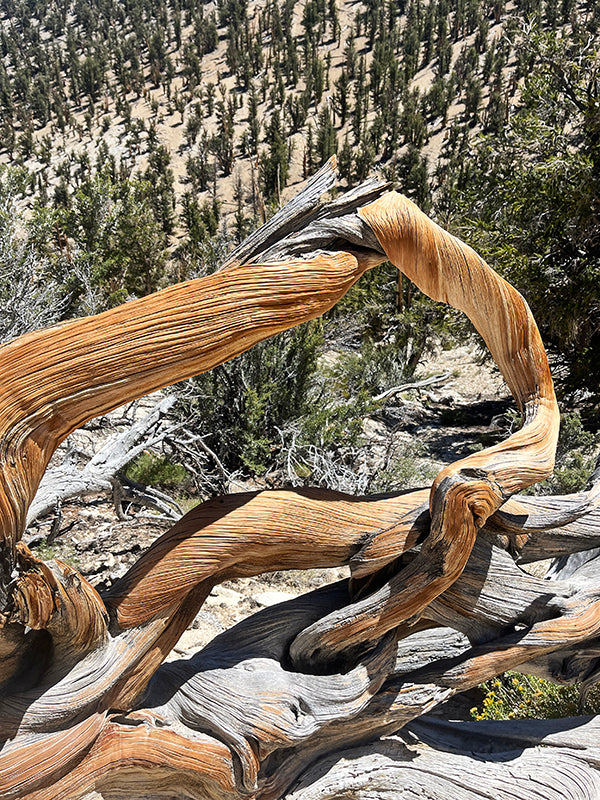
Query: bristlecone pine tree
[322,696]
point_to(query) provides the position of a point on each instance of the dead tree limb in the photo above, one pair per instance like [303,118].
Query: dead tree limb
[66,481]
[433,381]
[436,602]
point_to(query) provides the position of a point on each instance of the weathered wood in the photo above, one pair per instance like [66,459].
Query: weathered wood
[525,760]
[66,481]
[466,493]
[436,602]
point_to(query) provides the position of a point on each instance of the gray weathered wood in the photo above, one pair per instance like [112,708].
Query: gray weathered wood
[522,760]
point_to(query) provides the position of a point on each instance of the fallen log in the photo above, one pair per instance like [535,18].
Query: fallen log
[67,480]
[436,602]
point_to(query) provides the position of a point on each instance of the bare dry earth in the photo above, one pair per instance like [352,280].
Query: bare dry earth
[433,426]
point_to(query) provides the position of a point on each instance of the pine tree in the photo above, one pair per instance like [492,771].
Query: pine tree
[326,138]
[160,182]
[222,141]
[253,121]
[341,96]
[412,175]
[472,100]
[350,56]
[241,222]
[274,165]
[346,162]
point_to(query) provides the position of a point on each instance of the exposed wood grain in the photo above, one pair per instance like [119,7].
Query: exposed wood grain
[481,764]
[134,754]
[246,534]
[34,761]
[86,703]
[465,494]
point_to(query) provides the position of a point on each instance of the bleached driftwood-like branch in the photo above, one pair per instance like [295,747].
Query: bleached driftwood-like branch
[436,602]
[67,480]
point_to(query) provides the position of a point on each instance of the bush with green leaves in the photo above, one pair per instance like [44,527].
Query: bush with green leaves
[118,242]
[384,308]
[513,695]
[576,455]
[156,469]
[282,409]
[239,406]
[32,277]
[528,197]
[406,467]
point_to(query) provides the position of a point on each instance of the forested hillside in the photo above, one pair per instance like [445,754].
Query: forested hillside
[144,139]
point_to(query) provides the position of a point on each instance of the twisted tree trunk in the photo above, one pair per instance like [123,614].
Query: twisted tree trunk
[436,603]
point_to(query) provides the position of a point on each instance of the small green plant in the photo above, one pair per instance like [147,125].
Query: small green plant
[152,469]
[575,457]
[46,550]
[373,368]
[516,696]
[336,424]
[241,405]
[407,468]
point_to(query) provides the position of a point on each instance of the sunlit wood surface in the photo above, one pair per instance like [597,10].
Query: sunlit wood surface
[436,604]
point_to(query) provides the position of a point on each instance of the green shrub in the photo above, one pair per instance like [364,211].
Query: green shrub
[240,406]
[513,695]
[152,469]
[575,457]
[336,423]
[407,469]
[527,198]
